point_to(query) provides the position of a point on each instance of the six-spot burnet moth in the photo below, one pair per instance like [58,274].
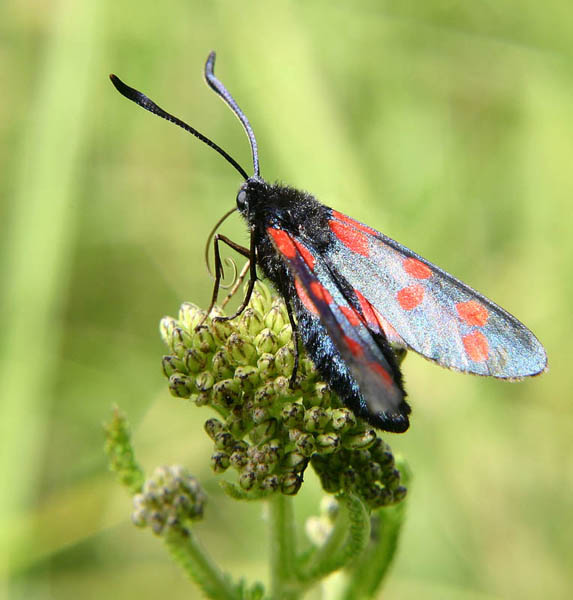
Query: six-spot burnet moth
[350,292]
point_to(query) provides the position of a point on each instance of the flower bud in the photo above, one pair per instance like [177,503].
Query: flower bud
[171,364]
[266,341]
[181,386]
[241,351]
[251,322]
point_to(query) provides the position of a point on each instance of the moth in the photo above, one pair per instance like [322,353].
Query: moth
[355,296]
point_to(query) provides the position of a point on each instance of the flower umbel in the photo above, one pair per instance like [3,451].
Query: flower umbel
[267,431]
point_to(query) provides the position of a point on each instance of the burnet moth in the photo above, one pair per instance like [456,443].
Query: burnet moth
[352,293]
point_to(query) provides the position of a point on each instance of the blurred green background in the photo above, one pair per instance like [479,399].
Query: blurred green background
[447,125]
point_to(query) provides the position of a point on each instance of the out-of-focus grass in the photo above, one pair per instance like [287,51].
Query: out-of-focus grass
[447,126]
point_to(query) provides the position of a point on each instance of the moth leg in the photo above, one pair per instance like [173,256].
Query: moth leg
[295,340]
[251,254]
[219,268]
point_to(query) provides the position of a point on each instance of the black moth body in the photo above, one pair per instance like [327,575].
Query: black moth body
[298,213]
[351,292]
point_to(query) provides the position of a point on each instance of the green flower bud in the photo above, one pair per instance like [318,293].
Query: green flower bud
[181,341]
[266,366]
[171,499]
[270,483]
[343,419]
[266,341]
[204,381]
[202,398]
[360,440]
[213,427]
[247,480]
[282,386]
[292,414]
[328,442]
[266,394]
[195,361]
[290,484]
[166,326]
[263,431]
[284,360]
[248,376]
[181,386]
[305,444]
[261,299]
[295,461]
[227,393]
[203,340]
[224,441]
[222,330]
[219,462]
[190,315]
[284,336]
[251,322]
[276,318]
[241,351]
[316,419]
[220,365]
[171,365]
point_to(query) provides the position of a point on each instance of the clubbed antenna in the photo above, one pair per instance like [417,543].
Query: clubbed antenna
[143,101]
[222,91]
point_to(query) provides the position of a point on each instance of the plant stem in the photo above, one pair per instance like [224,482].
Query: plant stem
[194,560]
[282,538]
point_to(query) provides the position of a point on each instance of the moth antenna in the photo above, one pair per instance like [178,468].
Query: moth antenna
[222,91]
[143,101]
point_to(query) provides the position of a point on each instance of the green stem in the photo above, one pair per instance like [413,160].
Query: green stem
[283,583]
[347,539]
[368,574]
[188,553]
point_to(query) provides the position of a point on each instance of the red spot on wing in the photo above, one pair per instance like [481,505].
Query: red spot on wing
[351,237]
[381,371]
[307,256]
[416,268]
[391,334]
[375,321]
[353,223]
[321,292]
[409,297]
[367,311]
[473,313]
[476,345]
[283,242]
[353,346]
[307,302]
[351,315]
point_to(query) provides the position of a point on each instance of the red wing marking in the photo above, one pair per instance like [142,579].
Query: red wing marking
[352,316]
[367,311]
[307,256]
[391,334]
[376,322]
[353,223]
[355,347]
[381,371]
[283,242]
[476,345]
[473,313]
[409,297]
[321,292]
[416,268]
[308,303]
[350,237]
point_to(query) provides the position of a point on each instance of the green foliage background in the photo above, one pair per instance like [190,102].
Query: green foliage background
[447,125]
